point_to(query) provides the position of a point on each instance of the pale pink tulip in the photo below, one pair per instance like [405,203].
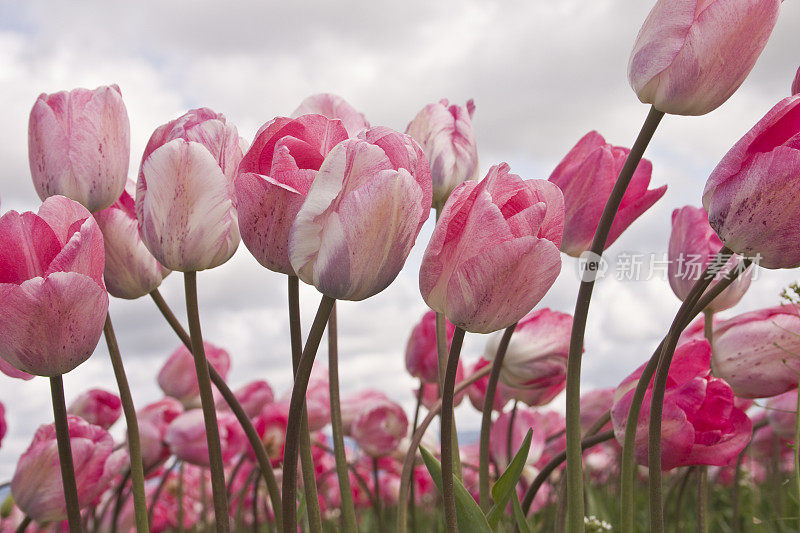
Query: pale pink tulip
[185,201]
[380,427]
[782,414]
[494,252]
[98,407]
[154,419]
[477,391]
[351,405]
[446,136]
[691,55]
[186,437]
[586,176]
[177,378]
[595,404]
[53,302]
[750,195]
[37,486]
[79,145]
[422,360]
[796,83]
[524,420]
[253,397]
[271,427]
[755,352]
[333,107]
[362,215]
[318,399]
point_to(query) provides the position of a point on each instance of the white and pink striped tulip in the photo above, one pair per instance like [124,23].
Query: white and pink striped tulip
[380,427]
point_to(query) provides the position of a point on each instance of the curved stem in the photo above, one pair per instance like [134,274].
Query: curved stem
[256,486]
[65,454]
[448,489]
[207,404]
[119,500]
[510,433]
[412,500]
[486,418]
[24,524]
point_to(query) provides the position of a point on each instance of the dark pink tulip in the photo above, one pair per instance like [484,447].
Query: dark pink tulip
[494,252]
[79,145]
[754,351]
[782,414]
[524,419]
[691,55]
[586,176]
[53,302]
[352,405]
[380,427]
[692,245]
[3,425]
[37,486]
[98,407]
[273,181]
[446,136]
[186,437]
[271,427]
[154,419]
[750,195]
[362,215]
[177,378]
[796,83]
[185,200]
[422,360]
[595,404]
[700,424]
[333,106]
[477,391]
[253,397]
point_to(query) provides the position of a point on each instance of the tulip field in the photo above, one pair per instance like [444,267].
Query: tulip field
[701,436]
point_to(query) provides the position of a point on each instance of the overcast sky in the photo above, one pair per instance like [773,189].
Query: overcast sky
[542,74]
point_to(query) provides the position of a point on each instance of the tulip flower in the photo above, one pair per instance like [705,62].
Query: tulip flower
[362,215]
[445,134]
[700,424]
[186,437]
[333,107]
[178,379]
[422,360]
[692,246]
[352,405]
[536,357]
[586,176]
[154,420]
[36,485]
[691,55]
[477,391]
[98,407]
[750,195]
[253,397]
[524,419]
[131,271]
[595,404]
[494,252]
[782,414]
[755,352]
[185,201]
[3,425]
[796,83]
[79,145]
[380,427]
[53,302]
[430,391]
[271,427]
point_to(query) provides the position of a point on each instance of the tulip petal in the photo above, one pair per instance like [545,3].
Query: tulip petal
[29,245]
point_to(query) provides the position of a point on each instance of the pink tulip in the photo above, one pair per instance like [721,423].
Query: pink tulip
[352,405]
[53,302]
[586,176]
[98,407]
[37,486]
[3,425]
[750,195]
[79,145]
[796,83]
[595,404]
[430,391]
[754,351]
[362,215]
[477,391]
[700,425]
[131,271]
[154,420]
[691,55]
[333,107]
[782,414]
[271,427]
[318,399]
[536,358]
[253,397]
[445,134]
[186,437]
[422,360]
[494,252]
[177,378]
[185,201]
[524,419]
[273,181]
[380,427]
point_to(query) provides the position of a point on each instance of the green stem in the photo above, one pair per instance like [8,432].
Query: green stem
[574,467]
[702,499]
[411,504]
[207,404]
[448,453]
[180,496]
[159,489]
[510,433]
[735,506]
[24,524]
[65,454]
[378,512]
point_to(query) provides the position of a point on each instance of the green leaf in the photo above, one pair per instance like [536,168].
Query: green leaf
[519,516]
[468,512]
[507,483]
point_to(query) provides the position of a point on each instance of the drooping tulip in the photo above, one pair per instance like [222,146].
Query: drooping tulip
[477,391]
[782,414]
[253,397]
[79,145]
[178,379]
[754,352]
[131,271]
[750,195]
[692,246]
[53,302]
[422,360]
[186,437]
[446,136]
[494,252]
[691,55]
[98,407]
[362,215]
[334,107]
[185,200]
[586,176]
[700,424]
[37,486]
[524,419]
[380,427]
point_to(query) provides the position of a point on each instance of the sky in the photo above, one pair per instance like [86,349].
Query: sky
[542,74]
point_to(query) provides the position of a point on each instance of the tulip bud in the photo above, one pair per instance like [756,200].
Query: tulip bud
[253,397]
[494,252]
[750,195]
[380,427]
[53,302]
[154,420]
[691,55]
[177,378]
[445,134]
[362,215]
[333,107]
[422,359]
[586,176]
[98,407]
[186,437]
[352,405]
[79,145]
